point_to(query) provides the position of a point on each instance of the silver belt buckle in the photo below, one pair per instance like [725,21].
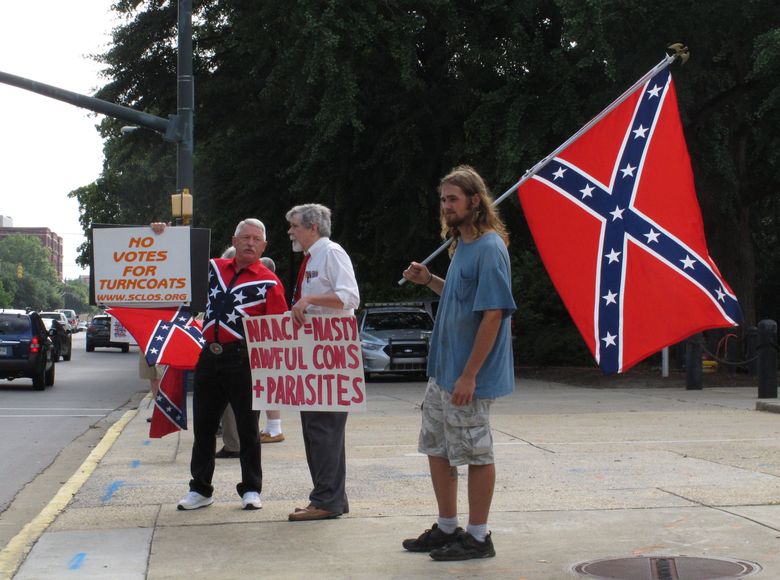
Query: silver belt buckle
[216,348]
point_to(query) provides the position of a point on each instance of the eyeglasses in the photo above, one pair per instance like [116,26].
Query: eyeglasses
[248,238]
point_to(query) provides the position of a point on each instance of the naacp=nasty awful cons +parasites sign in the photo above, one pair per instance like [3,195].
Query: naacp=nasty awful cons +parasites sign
[314,367]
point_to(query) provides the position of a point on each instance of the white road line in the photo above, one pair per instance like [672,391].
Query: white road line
[72,415]
[53,409]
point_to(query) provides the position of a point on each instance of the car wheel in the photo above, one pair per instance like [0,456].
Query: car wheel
[39,379]
[125,348]
[90,347]
[49,376]
[67,354]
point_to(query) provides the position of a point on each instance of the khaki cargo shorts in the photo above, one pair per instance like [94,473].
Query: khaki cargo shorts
[461,434]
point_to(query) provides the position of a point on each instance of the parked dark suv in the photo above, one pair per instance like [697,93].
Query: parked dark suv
[25,348]
[99,334]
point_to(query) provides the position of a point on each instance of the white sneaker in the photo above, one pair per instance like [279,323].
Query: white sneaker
[193,500]
[251,501]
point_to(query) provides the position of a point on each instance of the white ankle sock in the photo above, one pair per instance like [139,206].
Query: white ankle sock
[479,532]
[273,427]
[448,525]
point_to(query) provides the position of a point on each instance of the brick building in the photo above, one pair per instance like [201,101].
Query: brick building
[48,238]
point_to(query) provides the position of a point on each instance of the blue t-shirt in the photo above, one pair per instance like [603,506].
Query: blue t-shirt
[478,279]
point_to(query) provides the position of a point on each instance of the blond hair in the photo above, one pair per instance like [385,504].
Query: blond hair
[484,217]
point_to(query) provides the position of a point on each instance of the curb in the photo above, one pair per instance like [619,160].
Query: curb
[13,555]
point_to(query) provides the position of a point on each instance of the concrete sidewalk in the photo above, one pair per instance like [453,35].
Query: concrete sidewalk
[583,474]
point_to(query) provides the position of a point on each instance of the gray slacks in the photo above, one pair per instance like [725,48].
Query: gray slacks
[323,439]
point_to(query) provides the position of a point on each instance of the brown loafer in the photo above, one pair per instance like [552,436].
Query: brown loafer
[268,438]
[311,513]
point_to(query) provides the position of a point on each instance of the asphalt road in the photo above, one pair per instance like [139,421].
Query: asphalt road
[37,426]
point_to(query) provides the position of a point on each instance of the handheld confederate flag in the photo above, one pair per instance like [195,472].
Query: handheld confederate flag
[618,227]
[168,337]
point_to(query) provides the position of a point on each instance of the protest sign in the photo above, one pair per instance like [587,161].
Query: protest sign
[314,367]
[133,266]
[118,333]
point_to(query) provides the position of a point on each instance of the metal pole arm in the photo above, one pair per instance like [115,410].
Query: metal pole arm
[169,128]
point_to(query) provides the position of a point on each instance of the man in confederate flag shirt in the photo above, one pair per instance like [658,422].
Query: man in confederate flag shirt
[239,287]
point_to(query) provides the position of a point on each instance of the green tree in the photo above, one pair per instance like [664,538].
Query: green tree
[730,103]
[6,297]
[37,288]
[75,295]
[363,106]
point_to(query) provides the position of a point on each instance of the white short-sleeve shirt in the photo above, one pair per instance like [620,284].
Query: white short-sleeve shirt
[330,270]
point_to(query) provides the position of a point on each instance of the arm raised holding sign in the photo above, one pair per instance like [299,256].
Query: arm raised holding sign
[239,287]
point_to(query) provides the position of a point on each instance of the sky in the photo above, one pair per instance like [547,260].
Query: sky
[49,148]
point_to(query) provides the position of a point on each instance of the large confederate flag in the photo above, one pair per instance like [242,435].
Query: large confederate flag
[618,227]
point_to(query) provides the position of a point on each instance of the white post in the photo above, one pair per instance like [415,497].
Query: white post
[665,362]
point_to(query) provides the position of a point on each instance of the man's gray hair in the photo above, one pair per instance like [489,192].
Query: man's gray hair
[229,252]
[250,222]
[268,263]
[312,213]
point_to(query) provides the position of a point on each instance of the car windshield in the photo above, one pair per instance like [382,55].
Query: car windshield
[100,321]
[398,321]
[53,315]
[14,323]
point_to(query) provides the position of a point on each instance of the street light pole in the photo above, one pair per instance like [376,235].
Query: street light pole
[185,100]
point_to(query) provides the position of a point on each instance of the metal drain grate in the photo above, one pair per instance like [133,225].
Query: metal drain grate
[666,568]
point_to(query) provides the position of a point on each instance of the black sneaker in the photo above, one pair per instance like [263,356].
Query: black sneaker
[465,547]
[226,454]
[431,539]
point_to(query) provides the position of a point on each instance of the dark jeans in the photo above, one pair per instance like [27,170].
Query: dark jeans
[323,439]
[220,379]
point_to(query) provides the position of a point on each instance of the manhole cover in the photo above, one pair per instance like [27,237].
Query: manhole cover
[667,568]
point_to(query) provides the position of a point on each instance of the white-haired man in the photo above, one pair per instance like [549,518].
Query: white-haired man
[239,287]
[326,284]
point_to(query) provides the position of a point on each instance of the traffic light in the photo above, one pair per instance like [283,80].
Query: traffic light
[19,271]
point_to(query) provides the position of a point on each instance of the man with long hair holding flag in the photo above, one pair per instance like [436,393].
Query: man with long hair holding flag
[614,214]
[470,363]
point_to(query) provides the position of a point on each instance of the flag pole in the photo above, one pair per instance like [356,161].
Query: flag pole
[678,51]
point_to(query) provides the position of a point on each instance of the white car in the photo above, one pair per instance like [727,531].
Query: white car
[58,315]
[73,319]
[394,338]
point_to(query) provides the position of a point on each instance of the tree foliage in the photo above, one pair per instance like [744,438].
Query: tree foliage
[28,278]
[362,106]
[75,295]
